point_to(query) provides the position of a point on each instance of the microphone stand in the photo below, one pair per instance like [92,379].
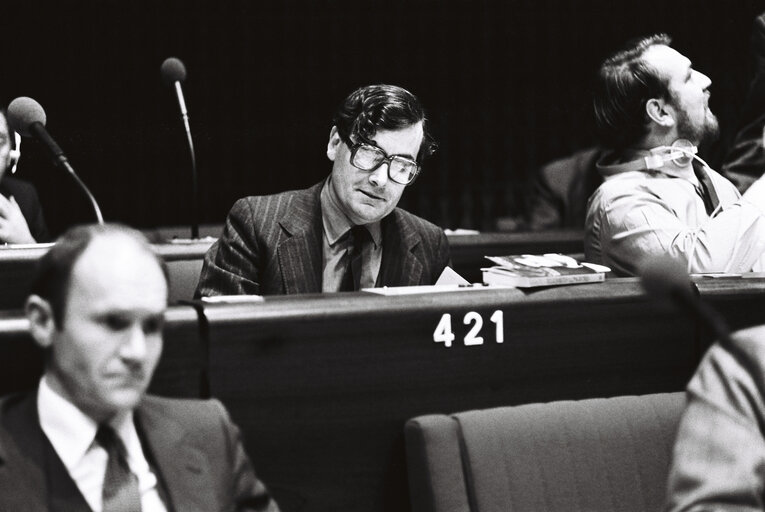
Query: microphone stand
[194,185]
[59,158]
[93,203]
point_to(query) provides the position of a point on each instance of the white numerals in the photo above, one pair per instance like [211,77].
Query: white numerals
[499,323]
[444,334]
[471,337]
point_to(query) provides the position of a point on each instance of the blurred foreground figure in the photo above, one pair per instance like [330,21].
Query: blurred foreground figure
[719,457]
[344,233]
[88,438]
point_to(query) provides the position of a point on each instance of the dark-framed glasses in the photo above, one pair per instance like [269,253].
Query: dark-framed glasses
[367,157]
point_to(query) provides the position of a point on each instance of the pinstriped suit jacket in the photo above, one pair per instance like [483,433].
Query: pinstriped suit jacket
[272,245]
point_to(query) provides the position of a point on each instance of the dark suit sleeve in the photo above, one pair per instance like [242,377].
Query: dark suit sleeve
[29,203]
[232,266]
[745,160]
[443,256]
[247,492]
[35,219]
[546,207]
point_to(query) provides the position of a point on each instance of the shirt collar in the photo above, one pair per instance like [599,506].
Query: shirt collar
[613,163]
[336,223]
[71,431]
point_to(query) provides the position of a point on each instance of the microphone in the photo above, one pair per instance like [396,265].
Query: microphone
[173,72]
[27,117]
[666,278]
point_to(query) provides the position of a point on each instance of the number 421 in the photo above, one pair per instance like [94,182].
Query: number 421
[443,332]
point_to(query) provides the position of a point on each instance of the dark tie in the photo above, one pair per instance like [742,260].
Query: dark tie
[357,237]
[120,492]
[707,192]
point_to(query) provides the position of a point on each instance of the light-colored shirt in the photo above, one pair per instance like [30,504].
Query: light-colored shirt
[638,214]
[73,434]
[336,246]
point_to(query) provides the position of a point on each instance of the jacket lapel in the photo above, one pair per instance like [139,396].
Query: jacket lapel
[182,466]
[300,255]
[399,266]
[30,468]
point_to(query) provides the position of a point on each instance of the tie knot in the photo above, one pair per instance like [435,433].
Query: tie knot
[359,235]
[110,441]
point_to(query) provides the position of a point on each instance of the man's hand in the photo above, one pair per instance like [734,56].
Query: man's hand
[13,225]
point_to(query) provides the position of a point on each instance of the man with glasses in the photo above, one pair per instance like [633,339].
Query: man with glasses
[344,233]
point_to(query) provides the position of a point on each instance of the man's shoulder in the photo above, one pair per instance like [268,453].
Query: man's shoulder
[182,408]
[274,206]
[405,219]
[12,402]
[626,183]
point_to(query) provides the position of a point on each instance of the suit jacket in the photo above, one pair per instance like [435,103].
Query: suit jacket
[29,203]
[273,245]
[561,191]
[196,448]
[719,456]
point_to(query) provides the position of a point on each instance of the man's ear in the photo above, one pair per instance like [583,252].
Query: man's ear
[660,112]
[334,143]
[41,322]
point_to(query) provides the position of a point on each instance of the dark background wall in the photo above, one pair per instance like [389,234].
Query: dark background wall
[506,84]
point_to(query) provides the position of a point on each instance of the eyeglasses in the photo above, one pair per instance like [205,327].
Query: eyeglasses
[366,157]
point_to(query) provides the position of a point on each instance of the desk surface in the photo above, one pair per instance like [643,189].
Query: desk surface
[184,258]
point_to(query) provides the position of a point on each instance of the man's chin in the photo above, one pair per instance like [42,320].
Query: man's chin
[366,214]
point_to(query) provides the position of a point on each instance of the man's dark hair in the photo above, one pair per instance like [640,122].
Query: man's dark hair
[54,270]
[381,107]
[624,85]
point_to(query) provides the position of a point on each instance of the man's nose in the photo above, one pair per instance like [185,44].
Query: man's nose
[703,80]
[134,346]
[379,177]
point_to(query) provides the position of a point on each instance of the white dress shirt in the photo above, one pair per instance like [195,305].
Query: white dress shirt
[72,434]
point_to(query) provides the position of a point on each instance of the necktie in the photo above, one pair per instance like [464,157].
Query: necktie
[357,237]
[120,493]
[707,192]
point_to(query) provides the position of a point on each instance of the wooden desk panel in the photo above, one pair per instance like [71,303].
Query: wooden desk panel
[322,385]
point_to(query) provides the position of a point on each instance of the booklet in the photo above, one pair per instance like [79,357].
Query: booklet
[529,270]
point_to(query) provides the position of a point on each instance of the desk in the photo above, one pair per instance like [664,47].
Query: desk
[184,259]
[17,268]
[322,385]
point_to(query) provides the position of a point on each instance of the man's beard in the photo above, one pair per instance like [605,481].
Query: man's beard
[705,133]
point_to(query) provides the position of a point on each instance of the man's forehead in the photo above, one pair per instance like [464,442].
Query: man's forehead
[116,260]
[667,60]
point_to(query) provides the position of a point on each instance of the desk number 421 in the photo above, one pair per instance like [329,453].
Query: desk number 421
[443,333]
